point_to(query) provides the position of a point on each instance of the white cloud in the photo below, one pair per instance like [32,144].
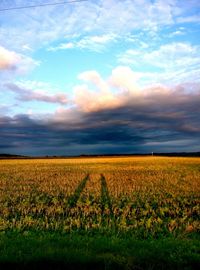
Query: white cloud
[171,61]
[93,77]
[62,46]
[88,100]
[12,61]
[173,55]
[119,89]
[125,79]
[98,96]
[8,59]
[96,43]
[189,19]
[94,18]
[92,43]
[134,14]
[167,55]
[176,33]
[123,87]
[26,47]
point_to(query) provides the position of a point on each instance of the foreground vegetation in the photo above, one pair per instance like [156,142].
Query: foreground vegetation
[101,213]
[55,251]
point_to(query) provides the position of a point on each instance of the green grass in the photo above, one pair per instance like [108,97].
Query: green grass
[34,250]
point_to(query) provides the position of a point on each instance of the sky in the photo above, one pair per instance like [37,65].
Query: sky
[100,77]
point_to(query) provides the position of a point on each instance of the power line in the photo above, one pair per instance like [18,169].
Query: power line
[43,5]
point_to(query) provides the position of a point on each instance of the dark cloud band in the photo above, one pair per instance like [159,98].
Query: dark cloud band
[158,122]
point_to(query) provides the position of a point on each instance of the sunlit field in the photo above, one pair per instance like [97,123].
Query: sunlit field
[141,198]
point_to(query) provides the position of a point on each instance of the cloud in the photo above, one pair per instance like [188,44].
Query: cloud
[92,43]
[25,94]
[170,55]
[94,98]
[189,19]
[157,122]
[176,33]
[8,59]
[15,62]
[118,89]
[97,93]
[125,79]
[92,19]
[112,115]
[62,46]
[170,62]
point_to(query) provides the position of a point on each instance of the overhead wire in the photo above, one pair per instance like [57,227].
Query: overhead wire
[43,5]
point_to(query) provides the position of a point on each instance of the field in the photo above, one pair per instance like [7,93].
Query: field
[100,213]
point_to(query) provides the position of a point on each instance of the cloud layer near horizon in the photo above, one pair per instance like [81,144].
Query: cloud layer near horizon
[110,116]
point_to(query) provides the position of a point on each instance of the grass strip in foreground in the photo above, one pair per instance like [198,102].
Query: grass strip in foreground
[33,250]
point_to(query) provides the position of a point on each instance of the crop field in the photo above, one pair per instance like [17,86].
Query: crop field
[146,196]
[133,197]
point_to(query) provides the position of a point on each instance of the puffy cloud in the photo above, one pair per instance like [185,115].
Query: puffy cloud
[119,89]
[88,100]
[8,59]
[91,76]
[12,61]
[110,93]
[99,97]
[125,79]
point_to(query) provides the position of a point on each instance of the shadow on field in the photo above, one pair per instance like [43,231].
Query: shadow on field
[105,197]
[77,193]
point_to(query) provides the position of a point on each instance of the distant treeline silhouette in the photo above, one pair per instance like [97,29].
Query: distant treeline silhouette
[171,154]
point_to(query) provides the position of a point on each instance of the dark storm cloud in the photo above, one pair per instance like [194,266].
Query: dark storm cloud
[164,122]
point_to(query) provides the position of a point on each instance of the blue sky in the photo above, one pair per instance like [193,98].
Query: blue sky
[100,76]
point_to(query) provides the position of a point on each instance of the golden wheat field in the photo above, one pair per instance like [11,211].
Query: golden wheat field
[144,196]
